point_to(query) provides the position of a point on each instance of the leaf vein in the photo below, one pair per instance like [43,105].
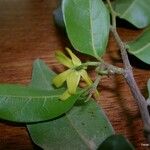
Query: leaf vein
[141,49]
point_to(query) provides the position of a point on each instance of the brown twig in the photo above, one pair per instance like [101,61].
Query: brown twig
[128,74]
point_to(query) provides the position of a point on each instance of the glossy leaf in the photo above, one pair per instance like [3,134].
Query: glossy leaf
[87,24]
[116,142]
[84,127]
[141,47]
[42,76]
[136,12]
[28,104]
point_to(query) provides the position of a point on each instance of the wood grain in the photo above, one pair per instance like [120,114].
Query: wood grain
[27,32]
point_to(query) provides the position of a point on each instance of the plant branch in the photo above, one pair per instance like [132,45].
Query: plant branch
[102,68]
[93,88]
[105,68]
[128,74]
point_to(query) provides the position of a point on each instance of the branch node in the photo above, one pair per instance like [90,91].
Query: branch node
[128,75]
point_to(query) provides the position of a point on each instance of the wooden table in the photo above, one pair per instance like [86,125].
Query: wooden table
[27,32]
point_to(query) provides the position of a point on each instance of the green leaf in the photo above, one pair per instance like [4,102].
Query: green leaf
[42,76]
[87,24]
[28,104]
[141,46]
[82,128]
[116,142]
[136,12]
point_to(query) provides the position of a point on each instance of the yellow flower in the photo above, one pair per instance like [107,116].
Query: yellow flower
[71,76]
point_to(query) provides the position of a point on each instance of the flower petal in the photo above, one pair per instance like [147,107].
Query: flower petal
[86,77]
[65,95]
[73,81]
[63,59]
[60,79]
[76,61]
[88,80]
